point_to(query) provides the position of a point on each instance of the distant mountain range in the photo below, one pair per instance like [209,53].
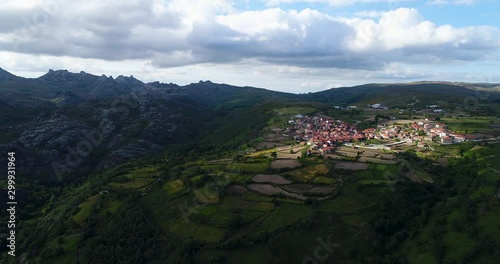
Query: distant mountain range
[62,86]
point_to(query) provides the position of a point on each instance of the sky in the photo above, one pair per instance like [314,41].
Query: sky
[295,46]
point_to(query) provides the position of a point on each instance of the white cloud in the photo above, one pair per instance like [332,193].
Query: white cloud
[330,2]
[406,30]
[183,36]
[369,14]
[176,33]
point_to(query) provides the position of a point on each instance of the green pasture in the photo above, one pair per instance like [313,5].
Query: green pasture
[173,187]
[135,179]
[471,124]
[294,110]
[248,167]
[85,209]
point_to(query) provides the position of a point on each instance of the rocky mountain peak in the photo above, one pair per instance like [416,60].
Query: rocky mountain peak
[128,81]
[58,75]
[66,78]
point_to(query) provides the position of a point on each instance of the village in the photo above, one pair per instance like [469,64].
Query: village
[324,134]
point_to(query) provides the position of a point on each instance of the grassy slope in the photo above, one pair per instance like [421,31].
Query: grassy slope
[263,231]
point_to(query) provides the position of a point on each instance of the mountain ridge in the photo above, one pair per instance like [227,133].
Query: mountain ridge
[141,119]
[122,79]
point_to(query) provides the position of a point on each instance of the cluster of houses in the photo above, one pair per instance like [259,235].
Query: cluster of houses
[323,133]
[419,131]
[414,133]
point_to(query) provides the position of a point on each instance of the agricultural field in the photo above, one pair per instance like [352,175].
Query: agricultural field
[270,178]
[135,179]
[251,202]
[224,202]
[284,164]
[363,155]
[265,203]
[258,167]
[351,165]
[472,124]
[173,187]
[295,110]
[308,173]
[85,209]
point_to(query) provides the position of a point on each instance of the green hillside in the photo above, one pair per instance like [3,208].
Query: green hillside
[211,173]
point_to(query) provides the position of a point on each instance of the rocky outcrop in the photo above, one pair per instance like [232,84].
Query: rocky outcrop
[83,122]
[52,134]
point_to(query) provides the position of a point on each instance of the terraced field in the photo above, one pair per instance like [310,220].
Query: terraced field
[351,165]
[270,178]
[284,164]
[219,202]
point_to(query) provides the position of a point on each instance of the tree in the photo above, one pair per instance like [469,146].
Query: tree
[236,157]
